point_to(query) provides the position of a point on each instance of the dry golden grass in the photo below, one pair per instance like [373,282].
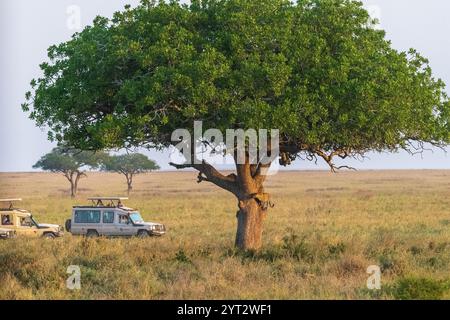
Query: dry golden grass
[323,233]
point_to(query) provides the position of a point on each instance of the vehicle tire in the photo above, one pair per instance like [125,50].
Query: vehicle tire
[92,234]
[48,236]
[143,234]
[68,225]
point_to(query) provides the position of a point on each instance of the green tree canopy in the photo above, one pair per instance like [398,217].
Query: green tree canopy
[71,163]
[129,165]
[317,70]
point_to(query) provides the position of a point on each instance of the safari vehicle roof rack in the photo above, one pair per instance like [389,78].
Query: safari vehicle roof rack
[107,201]
[10,201]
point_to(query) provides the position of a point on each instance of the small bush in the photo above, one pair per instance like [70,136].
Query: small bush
[418,289]
[336,250]
[181,256]
[389,264]
[386,263]
[415,250]
[297,248]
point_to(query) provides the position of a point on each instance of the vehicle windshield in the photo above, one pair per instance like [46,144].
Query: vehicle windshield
[33,221]
[136,217]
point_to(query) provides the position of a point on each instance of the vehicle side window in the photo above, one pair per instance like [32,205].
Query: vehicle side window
[123,219]
[87,216]
[6,220]
[108,216]
[26,222]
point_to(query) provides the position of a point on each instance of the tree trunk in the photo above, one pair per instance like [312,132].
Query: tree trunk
[73,177]
[73,189]
[79,175]
[250,219]
[253,204]
[129,183]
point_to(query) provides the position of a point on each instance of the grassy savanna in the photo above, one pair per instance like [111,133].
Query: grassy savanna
[341,224]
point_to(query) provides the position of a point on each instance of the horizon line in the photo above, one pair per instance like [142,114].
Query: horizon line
[282,170]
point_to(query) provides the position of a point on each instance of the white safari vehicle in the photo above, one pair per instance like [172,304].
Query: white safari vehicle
[109,217]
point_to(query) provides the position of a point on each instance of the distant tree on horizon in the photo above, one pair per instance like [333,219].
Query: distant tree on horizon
[71,163]
[129,165]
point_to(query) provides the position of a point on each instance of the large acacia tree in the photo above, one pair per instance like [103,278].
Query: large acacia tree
[317,70]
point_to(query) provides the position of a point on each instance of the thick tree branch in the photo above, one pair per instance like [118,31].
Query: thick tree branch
[208,173]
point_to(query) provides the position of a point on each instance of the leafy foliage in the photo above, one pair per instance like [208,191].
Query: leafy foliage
[133,163]
[315,69]
[71,163]
[60,160]
[413,288]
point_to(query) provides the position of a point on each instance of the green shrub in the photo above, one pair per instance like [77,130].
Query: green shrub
[418,289]
[390,264]
[415,250]
[336,250]
[297,248]
[181,256]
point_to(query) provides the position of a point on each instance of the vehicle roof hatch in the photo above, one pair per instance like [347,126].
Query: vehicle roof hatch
[107,201]
[10,202]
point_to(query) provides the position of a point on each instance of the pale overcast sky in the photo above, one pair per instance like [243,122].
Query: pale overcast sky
[28,28]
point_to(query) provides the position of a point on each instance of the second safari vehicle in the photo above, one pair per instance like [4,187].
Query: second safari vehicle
[107,216]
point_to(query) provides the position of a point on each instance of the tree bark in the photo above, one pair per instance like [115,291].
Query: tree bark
[253,205]
[250,218]
[77,179]
[130,187]
[73,189]
[69,176]
[129,177]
